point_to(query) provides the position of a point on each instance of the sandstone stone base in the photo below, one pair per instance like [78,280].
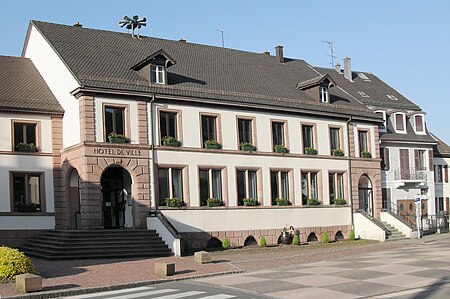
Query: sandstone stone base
[202,257]
[28,283]
[164,269]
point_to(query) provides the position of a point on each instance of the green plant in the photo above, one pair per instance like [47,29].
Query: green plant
[213,202]
[114,137]
[351,235]
[13,263]
[366,155]
[337,152]
[313,202]
[262,241]
[325,238]
[170,141]
[226,243]
[26,147]
[174,202]
[212,144]
[280,201]
[27,207]
[310,151]
[279,148]
[295,240]
[246,146]
[339,201]
[250,202]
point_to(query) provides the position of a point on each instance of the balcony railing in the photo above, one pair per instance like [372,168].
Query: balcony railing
[410,174]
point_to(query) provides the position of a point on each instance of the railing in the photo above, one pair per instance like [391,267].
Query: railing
[405,217]
[374,221]
[435,223]
[413,174]
[165,222]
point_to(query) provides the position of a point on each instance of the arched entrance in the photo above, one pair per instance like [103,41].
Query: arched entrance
[117,199]
[365,194]
[74,200]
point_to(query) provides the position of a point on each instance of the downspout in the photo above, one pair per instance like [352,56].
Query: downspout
[152,156]
[349,122]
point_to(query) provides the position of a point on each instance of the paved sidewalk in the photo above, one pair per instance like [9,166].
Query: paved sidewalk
[404,271]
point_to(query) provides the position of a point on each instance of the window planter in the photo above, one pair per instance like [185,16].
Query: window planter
[26,147]
[32,207]
[337,152]
[366,155]
[250,202]
[313,202]
[280,149]
[282,202]
[310,151]
[214,202]
[212,144]
[247,147]
[170,141]
[339,202]
[116,138]
[174,202]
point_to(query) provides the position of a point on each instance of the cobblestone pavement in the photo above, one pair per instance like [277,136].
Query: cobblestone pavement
[79,276]
[419,269]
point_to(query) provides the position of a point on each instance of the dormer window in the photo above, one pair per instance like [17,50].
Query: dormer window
[158,74]
[419,124]
[382,127]
[324,95]
[400,123]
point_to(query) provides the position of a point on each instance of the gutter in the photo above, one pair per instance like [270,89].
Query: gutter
[152,155]
[349,122]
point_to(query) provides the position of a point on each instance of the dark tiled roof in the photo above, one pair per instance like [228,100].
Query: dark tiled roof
[441,149]
[23,89]
[103,59]
[410,135]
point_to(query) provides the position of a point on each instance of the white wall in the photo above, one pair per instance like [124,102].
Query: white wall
[388,218]
[27,222]
[366,229]
[25,163]
[60,81]
[256,218]
[173,243]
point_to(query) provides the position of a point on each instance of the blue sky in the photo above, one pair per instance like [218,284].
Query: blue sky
[405,43]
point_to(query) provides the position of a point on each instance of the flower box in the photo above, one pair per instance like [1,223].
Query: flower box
[213,202]
[310,151]
[116,138]
[174,202]
[26,147]
[245,146]
[170,141]
[366,155]
[212,144]
[339,201]
[313,202]
[250,202]
[337,152]
[281,149]
[282,202]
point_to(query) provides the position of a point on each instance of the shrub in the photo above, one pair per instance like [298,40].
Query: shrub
[26,147]
[247,146]
[212,144]
[13,262]
[310,151]
[281,201]
[313,202]
[295,240]
[174,202]
[325,238]
[250,202]
[279,148]
[226,243]
[351,235]
[114,137]
[366,155]
[262,241]
[170,141]
[337,152]
[339,201]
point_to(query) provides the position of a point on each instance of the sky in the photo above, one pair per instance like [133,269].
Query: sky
[405,43]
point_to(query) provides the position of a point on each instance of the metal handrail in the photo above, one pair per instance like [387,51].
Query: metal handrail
[165,222]
[411,173]
[403,215]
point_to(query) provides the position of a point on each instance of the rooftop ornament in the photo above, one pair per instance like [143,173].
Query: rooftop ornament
[133,23]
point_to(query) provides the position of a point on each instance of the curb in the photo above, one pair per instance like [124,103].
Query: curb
[55,294]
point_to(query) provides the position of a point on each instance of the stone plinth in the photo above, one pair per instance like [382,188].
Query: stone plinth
[164,269]
[202,257]
[28,283]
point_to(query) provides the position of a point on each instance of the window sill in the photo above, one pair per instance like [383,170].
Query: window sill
[27,214]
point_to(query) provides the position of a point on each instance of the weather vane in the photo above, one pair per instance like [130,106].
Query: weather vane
[133,23]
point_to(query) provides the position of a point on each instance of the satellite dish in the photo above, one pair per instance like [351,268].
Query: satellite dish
[133,23]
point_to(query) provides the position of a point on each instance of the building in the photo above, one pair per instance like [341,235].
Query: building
[441,161]
[31,135]
[204,125]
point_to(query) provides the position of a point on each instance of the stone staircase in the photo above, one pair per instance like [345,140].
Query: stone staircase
[395,233]
[93,244]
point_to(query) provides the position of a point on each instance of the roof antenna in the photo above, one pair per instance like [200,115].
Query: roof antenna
[221,31]
[133,23]
[330,45]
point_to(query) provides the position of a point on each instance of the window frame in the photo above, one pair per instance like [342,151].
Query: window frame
[308,173]
[126,118]
[37,133]
[159,69]
[223,185]
[178,129]
[279,194]
[367,141]
[252,133]
[384,128]
[403,115]
[414,118]
[247,185]
[336,175]
[285,133]
[184,182]
[217,124]
[42,194]
[314,135]
[324,94]
[341,138]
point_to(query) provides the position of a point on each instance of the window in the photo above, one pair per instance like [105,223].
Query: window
[24,133]
[26,192]
[114,120]
[246,185]
[335,139]
[382,127]
[308,136]
[309,186]
[209,128]
[168,124]
[363,142]
[278,133]
[210,185]
[363,94]
[158,74]
[420,159]
[384,155]
[324,95]
[385,198]
[439,205]
[400,122]
[170,184]
[405,173]
[438,173]
[245,130]
[336,186]
[279,183]
[418,124]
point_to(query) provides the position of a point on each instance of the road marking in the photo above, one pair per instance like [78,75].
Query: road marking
[219,296]
[138,289]
[180,295]
[397,294]
[123,293]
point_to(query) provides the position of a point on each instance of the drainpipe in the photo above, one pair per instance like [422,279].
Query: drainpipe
[349,122]
[152,156]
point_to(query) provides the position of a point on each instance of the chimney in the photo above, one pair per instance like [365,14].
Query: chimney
[182,40]
[337,67]
[279,53]
[78,24]
[347,69]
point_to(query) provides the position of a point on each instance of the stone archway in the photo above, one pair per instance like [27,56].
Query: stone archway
[365,195]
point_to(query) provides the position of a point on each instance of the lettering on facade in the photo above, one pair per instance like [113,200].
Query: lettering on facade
[117,152]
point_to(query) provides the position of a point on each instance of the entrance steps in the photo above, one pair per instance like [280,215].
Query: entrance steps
[93,244]
[395,234]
